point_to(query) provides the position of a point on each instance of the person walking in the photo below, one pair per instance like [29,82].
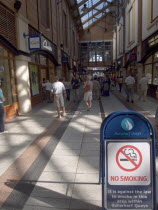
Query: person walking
[44,89]
[129,83]
[96,89]
[48,87]
[58,90]
[120,82]
[88,87]
[106,86]
[143,87]
[67,85]
[2,99]
[75,88]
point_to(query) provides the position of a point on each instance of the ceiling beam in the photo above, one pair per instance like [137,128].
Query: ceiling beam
[99,19]
[100,11]
[78,5]
[93,7]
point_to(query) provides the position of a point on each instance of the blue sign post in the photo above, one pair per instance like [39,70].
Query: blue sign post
[128,153]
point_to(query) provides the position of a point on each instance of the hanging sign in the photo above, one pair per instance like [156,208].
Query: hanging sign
[34,42]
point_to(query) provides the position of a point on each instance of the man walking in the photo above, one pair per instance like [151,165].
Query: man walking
[143,86]
[75,88]
[88,87]
[58,89]
[130,82]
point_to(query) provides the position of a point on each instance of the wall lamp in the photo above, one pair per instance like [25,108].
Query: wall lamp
[17,5]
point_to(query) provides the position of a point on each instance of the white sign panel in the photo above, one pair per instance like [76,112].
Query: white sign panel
[34,42]
[128,163]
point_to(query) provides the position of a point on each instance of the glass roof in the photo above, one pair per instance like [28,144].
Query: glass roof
[92,10]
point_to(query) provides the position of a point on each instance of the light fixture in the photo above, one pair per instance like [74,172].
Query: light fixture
[17,5]
[84,9]
[47,29]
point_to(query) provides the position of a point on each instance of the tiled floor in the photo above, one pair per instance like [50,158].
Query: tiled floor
[69,179]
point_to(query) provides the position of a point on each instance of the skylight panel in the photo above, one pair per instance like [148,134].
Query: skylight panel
[78,1]
[88,23]
[100,6]
[99,16]
[95,1]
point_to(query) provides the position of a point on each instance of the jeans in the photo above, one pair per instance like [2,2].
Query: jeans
[1,117]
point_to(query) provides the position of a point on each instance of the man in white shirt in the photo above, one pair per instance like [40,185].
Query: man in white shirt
[88,87]
[130,82]
[143,86]
[58,90]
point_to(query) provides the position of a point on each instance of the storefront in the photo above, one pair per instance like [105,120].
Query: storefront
[131,62]
[119,67]
[8,51]
[42,66]
[150,61]
[8,76]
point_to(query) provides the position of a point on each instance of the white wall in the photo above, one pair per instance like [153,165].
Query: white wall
[148,27]
[131,45]
[23,84]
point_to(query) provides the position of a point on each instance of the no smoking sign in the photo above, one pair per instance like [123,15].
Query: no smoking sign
[129,158]
[128,163]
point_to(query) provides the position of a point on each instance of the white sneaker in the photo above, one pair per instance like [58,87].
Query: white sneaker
[64,115]
[58,117]
[3,132]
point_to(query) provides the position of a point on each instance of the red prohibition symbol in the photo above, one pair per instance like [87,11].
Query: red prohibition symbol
[134,165]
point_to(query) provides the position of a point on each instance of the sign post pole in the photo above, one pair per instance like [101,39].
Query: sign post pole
[128,168]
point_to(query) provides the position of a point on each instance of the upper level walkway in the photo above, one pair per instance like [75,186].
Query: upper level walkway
[50,163]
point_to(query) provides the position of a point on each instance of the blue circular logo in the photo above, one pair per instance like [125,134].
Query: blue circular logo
[127,124]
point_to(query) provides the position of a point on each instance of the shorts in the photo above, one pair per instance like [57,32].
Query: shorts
[59,100]
[88,96]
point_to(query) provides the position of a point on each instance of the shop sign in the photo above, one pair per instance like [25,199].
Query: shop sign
[34,42]
[132,57]
[46,45]
[153,41]
[64,59]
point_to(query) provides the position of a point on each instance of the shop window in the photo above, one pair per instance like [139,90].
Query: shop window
[148,73]
[35,58]
[149,60]
[155,74]
[156,57]
[34,79]
[13,81]
[3,52]
[6,85]
[43,60]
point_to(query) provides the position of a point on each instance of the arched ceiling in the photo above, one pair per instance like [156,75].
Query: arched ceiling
[88,12]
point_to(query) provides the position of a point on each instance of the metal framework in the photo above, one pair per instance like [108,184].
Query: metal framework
[95,11]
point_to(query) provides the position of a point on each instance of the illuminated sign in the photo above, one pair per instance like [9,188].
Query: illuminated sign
[153,41]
